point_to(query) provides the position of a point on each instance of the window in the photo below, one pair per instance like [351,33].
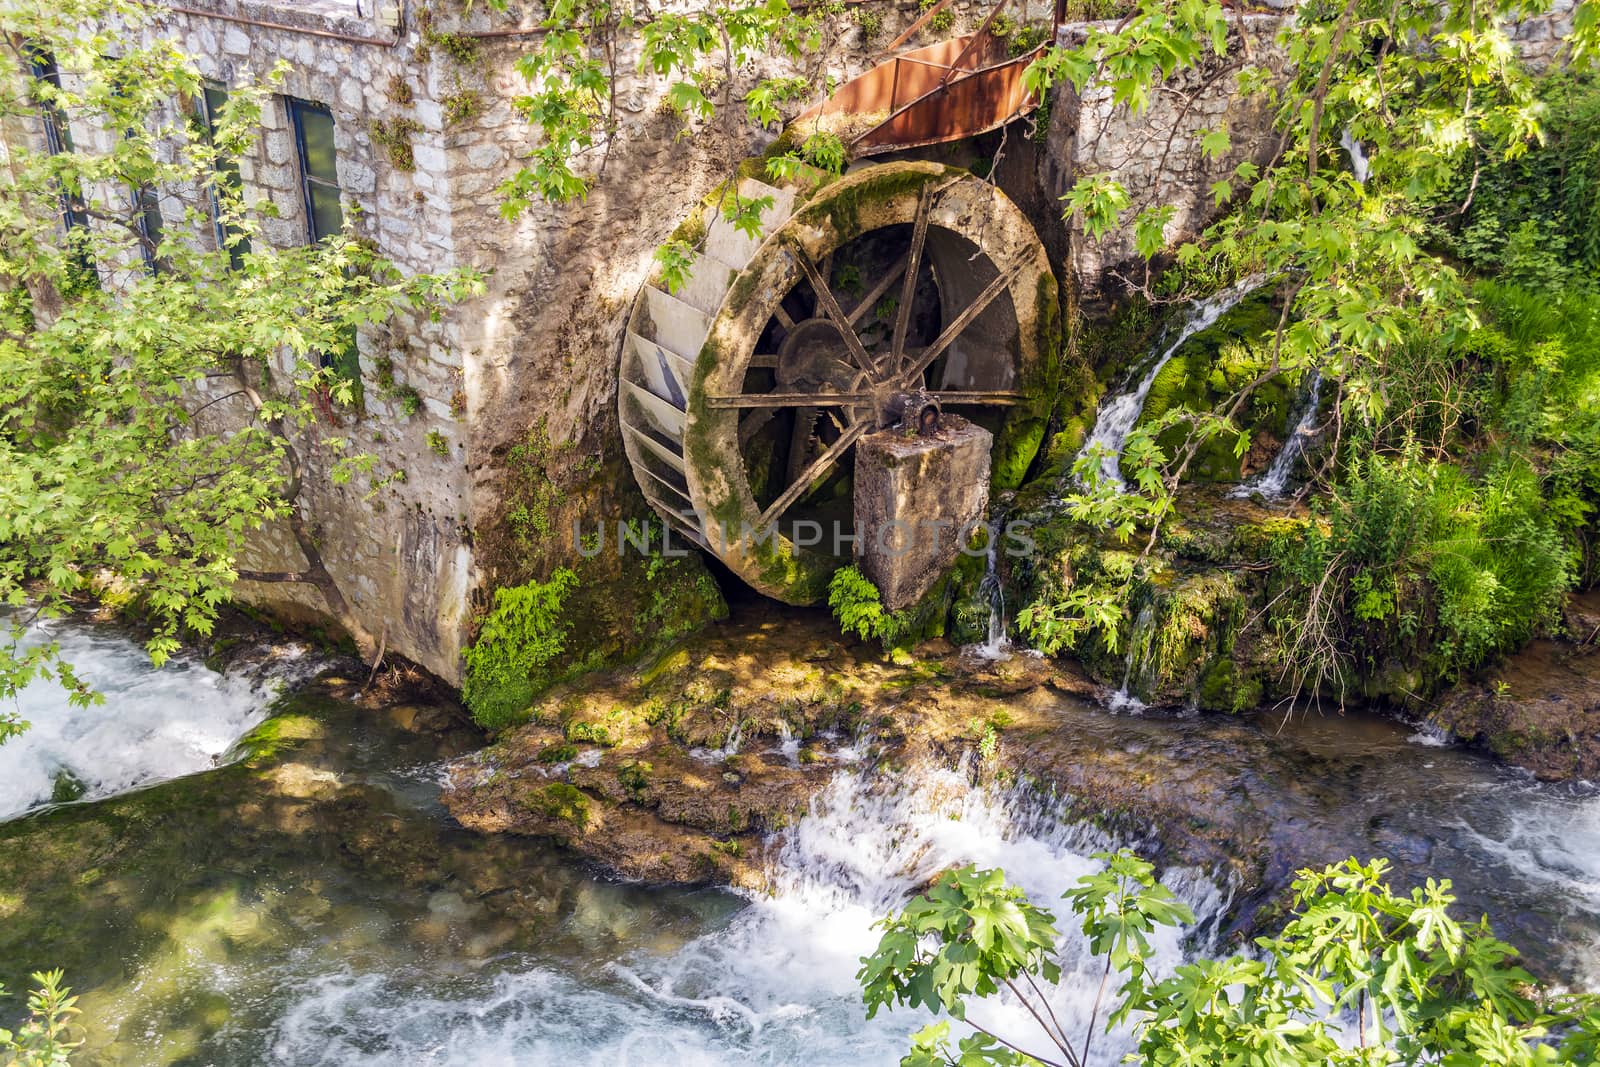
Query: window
[147,219]
[319,172]
[319,184]
[57,136]
[208,105]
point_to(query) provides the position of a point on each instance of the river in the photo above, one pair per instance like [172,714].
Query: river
[318,907]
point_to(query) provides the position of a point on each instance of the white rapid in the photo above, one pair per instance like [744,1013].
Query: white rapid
[774,984]
[153,725]
[1118,415]
[1274,481]
[1360,165]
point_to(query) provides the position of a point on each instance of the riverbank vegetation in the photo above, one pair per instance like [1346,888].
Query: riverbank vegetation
[163,400]
[1425,229]
[1359,974]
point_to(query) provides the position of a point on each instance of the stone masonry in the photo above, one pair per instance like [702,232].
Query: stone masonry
[446,400]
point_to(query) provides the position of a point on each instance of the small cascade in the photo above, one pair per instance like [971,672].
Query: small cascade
[991,588]
[1274,481]
[154,724]
[1139,638]
[1120,414]
[729,747]
[775,983]
[1360,166]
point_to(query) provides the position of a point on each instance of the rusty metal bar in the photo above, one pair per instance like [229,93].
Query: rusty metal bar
[911,30]
[243,20]
[983,33]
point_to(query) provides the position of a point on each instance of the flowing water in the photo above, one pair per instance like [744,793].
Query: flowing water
[1274,481]
[324,910]
[997,645]
[154,724]
[1360,166]
[1119,415]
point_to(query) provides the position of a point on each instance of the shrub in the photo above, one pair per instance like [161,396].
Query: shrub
[858,606]
[1395,975]
[509,662]
[1415,555]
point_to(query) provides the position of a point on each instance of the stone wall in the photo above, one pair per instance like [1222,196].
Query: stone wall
[535,356]
[1156,154]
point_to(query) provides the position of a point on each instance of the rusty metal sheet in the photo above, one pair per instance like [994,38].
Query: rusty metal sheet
[964,106]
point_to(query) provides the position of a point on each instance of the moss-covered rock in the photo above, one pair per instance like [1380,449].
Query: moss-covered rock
[1213,366]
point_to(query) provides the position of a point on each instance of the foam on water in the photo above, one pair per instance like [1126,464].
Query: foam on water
[775,984]
[153,725]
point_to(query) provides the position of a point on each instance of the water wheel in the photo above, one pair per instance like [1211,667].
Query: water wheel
[743,394]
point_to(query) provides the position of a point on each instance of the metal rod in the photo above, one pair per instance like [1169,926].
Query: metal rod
[243,20]
[962,321]
[785,400]
[830,306]
[908,291]
[983,31]
[998,399]
[877,292]
[911,30]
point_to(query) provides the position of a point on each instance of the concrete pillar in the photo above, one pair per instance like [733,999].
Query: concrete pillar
[914,495]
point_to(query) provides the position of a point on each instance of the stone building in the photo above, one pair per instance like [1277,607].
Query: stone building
[400,116]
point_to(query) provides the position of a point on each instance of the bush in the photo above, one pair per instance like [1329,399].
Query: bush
[1358,975]
[509,662]
[1534,219]
[1415,559]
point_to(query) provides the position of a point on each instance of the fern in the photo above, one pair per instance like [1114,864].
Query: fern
[509,662]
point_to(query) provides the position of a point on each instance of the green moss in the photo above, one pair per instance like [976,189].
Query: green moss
[591,732]
[276,736]
[563,753]
[1224,687]
[558,800]
[1208,370]
[635,777]
[842,208]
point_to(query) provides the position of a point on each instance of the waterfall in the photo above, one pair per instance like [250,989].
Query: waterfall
[773,984]
[153,725]
[1360,166]
[1274,481]
[996,647]
[1118,416]
[1138,652]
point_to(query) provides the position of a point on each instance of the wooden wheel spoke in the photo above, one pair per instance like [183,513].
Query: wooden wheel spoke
[985,398]
[959,324]
[878,290]
[787,400]
[752,422]
[908,285]
[799,486]
[784,317]
[830,307]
